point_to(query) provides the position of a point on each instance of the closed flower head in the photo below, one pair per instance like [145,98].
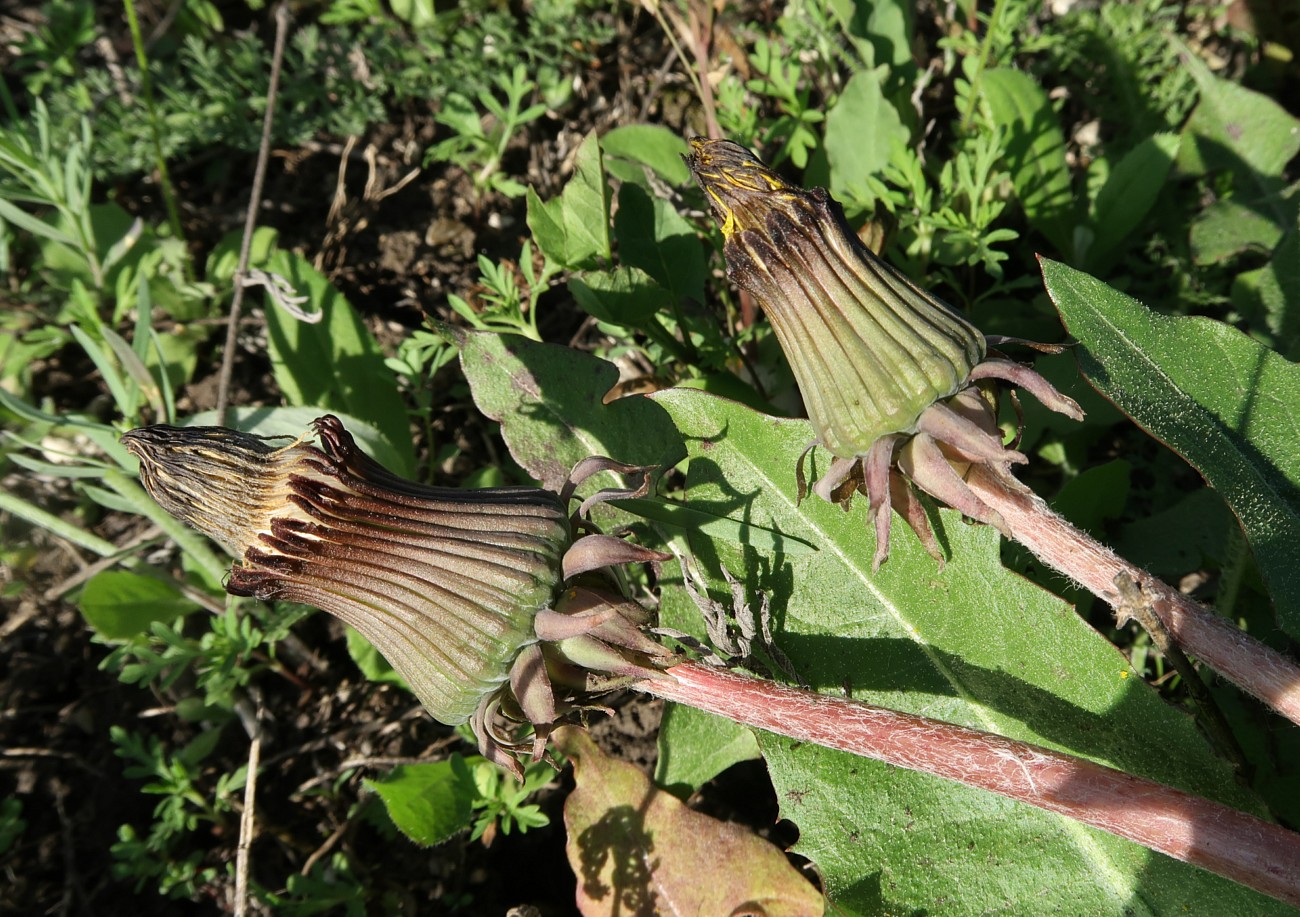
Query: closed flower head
[886,370]
[450,585]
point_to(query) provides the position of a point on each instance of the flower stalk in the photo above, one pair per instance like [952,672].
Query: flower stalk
[1235,655]
[1190,828]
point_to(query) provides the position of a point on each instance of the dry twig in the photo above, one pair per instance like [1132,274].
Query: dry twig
[250,220]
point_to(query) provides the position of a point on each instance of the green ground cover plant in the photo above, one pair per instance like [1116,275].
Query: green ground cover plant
[531,276]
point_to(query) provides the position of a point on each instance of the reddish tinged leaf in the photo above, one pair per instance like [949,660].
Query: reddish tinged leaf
[637,850]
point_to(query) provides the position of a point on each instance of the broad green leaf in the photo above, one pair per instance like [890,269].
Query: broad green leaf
[419,13]
[1235,128]
[1222,401]
[728,385]
[885,26]
[625,296]
[689,519]
[573,228]
[1095,495]
[863,132]
[695,747]
[224,258]
[1181,539]
[549,400]
[1270,296]
[120,604]
[334,365]
[1130,192]
[971,644]
[429,803]
[1231,226]
[1035,152]
[651,145]
[22,343]
[639,850]
[1239,131]
[654,237]
[546,222]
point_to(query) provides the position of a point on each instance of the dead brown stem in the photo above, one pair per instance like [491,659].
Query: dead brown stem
[1192,829]
[250,220]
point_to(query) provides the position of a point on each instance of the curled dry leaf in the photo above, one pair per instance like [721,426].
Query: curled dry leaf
[638,850]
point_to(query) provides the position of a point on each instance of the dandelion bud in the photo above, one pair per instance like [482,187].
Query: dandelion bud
[881,363]
[449,585]
[869,349]
[445,583]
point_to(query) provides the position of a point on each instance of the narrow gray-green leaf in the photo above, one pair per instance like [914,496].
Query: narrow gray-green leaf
[1224,402]
[1130,192]
[34,225]
[972,644]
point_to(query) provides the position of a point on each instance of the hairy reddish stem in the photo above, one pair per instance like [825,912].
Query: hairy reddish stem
[1241,659]
[1207,834]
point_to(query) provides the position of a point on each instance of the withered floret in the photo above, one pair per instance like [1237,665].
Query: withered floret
[462,591]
